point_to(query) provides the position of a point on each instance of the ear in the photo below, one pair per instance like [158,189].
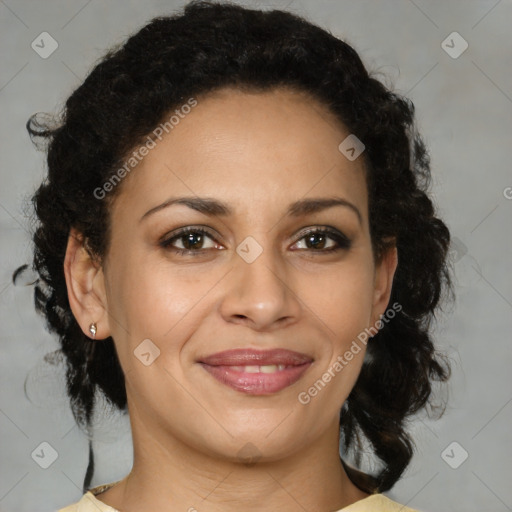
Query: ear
[86,287]
[384,273]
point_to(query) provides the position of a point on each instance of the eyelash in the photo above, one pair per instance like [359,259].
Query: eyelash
[341,240]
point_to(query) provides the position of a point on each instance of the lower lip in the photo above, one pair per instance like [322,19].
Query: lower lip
[257,383]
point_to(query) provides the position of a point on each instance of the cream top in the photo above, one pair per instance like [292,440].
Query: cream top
[373,503]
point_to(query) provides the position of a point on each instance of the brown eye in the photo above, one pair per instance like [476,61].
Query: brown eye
[324,240]
[192,241]
[316,241]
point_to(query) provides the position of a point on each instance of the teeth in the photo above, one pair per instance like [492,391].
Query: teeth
[252,369]
[271,368]
[268,368]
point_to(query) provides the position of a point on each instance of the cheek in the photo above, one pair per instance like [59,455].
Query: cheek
[153,301]
[341,306]
[342,300]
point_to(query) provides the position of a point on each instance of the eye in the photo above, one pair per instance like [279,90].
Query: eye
[317,240]
[191,239]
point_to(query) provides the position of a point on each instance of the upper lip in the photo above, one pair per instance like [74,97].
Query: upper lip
[248,356]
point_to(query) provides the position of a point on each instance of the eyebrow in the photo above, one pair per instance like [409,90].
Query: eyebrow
[213,207]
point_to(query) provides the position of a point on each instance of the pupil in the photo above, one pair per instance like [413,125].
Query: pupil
[190,238]
[312,237]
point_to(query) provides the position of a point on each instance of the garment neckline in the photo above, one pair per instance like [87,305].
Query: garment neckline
[95,491]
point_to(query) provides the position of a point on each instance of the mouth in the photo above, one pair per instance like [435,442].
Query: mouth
[257,372]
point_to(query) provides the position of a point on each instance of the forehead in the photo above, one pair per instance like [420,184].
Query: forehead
[248,149]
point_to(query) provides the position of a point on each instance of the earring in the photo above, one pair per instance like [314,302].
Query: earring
[92,330]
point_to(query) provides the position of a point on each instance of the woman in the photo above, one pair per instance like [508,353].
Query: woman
[236,247]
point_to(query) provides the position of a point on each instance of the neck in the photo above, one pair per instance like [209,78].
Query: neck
[170,475]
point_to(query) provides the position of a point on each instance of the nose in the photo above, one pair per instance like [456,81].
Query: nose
[260,294]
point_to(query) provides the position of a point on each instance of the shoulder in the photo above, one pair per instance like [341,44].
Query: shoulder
[376,502]
[89,503]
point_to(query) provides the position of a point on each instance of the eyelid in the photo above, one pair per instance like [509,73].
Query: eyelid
[180,232]
[342,241]
[321,229]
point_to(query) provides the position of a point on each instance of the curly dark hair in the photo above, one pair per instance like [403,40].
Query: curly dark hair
[208,46]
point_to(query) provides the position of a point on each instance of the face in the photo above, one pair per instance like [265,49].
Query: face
[257,267]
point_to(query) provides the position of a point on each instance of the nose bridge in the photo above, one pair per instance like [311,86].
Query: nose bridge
[258,289]
[258,261]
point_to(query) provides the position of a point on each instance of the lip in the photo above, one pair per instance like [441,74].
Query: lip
[223,367]
[247,356]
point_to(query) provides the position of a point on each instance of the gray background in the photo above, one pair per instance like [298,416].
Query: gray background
[464,108]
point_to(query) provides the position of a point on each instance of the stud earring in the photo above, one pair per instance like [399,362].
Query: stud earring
[92,330]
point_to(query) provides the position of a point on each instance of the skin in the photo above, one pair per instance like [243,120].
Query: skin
[257,152]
